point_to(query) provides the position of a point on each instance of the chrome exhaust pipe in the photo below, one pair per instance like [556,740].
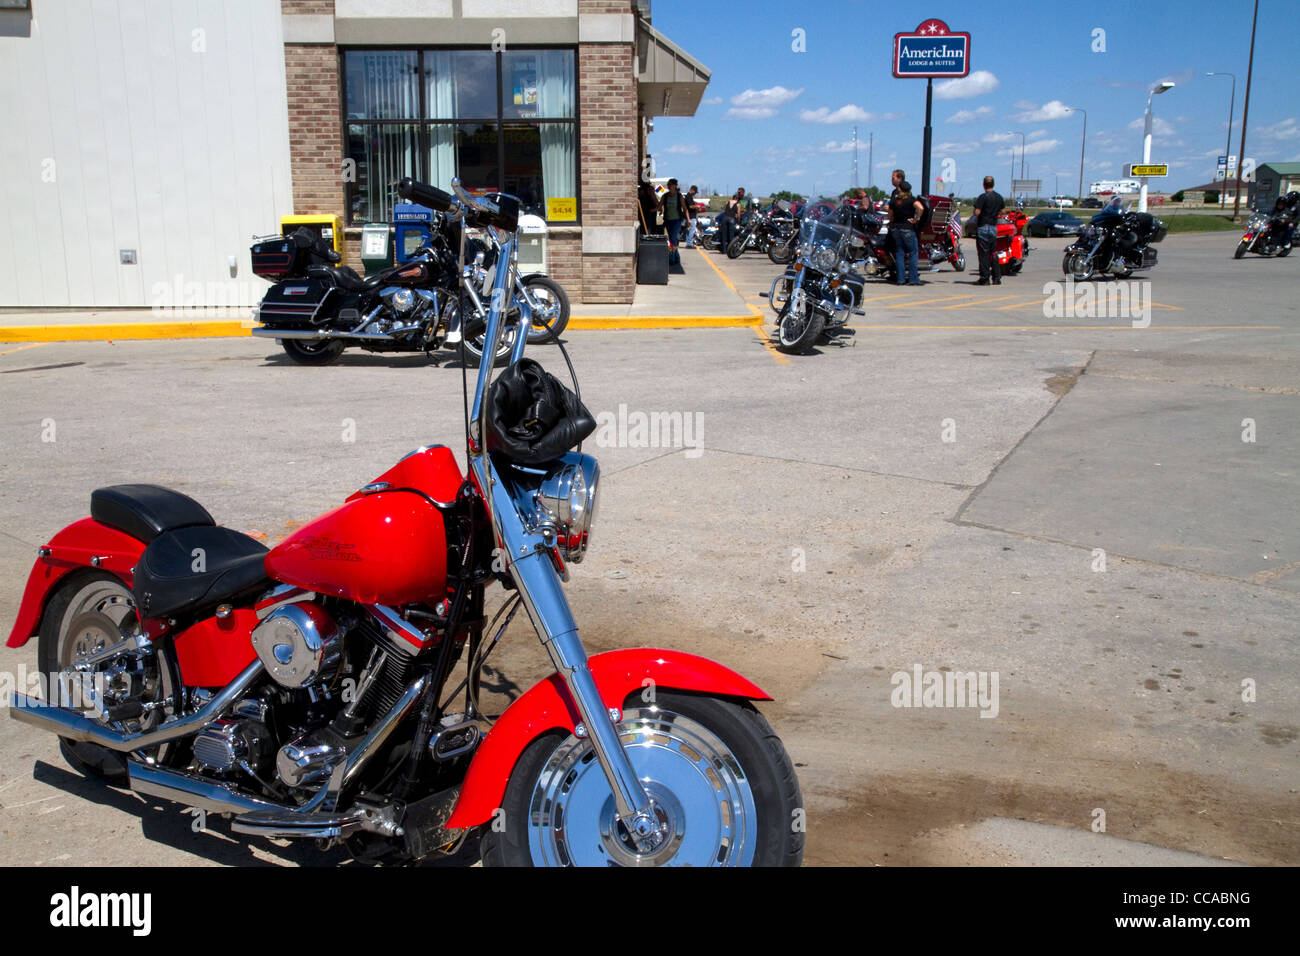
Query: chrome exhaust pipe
[75,726]
[193,791]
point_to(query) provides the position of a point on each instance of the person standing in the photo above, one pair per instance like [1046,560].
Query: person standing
[904,214]
[987,206]
[897,178]
[693,220]
[727,221]
[675,217]
[650,207]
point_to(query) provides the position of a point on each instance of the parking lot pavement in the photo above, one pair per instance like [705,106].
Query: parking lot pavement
[1079,514]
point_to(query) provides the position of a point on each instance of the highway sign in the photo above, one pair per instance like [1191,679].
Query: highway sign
[1147,169]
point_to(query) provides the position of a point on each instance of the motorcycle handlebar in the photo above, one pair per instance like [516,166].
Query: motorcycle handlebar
[425,194]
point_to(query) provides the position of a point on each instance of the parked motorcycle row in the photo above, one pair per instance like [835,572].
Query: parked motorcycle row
[316,309]
[310,692]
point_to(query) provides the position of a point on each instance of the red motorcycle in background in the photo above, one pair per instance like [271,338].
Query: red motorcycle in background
[308,690]
[940,240]
[1012,247]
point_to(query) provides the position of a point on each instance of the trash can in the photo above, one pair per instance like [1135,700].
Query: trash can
[652,260]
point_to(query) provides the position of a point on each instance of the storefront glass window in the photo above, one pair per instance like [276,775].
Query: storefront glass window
[498,121]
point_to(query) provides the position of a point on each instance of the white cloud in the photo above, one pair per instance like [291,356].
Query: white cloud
[977,84]
[1024,105]
[750,112]
[687,149]
[797,172]
[771,97]
[1038,134]
[1001,137]
[711,101]
[957,146]
[1032,149]
[834,147]
[1048,111]
[970,116]
[1286,129]
[1159,127]
[845,114]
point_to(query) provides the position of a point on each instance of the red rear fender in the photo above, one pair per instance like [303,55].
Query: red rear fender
[70,550]
[546,706]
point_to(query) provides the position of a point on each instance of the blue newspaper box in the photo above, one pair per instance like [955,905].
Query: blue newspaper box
[412,226]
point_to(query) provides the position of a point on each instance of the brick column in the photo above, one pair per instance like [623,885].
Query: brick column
[315,139]
[608,106]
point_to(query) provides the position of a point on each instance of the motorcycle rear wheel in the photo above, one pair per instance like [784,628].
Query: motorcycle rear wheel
[306,352]
[88,612]
[716,771]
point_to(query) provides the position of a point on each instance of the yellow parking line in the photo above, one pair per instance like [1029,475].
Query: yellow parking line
[908,305]
[723,276]
[881,298]
[33,345]
[772,349]
[967,305]
[1020,305]
[1128,327]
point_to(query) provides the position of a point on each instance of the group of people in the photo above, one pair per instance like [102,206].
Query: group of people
[678,210]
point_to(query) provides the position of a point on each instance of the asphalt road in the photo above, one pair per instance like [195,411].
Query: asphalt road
[1065,504]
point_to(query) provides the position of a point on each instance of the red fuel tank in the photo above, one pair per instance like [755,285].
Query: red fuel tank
[389,547]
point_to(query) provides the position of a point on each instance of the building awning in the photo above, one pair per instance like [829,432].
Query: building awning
[670,82]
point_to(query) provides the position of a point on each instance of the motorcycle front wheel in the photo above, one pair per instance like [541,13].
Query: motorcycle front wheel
[781,252]
[798,329]
[1077,265]
[736,247]
[1241,249]
[959,264]
[550,295]
[720,779]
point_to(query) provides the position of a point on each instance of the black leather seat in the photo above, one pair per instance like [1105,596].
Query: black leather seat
[191,570]
[346,278]
[146,511]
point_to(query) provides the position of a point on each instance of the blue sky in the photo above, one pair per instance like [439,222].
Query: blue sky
[774,118]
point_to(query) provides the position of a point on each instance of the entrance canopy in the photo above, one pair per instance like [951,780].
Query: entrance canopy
[670,82]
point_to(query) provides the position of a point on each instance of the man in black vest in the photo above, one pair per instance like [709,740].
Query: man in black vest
[987,207]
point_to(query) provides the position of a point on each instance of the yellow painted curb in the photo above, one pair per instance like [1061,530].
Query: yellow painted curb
[123,330]
[228,329]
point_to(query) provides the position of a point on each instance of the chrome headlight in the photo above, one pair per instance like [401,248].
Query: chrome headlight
[565,504]
[824,256]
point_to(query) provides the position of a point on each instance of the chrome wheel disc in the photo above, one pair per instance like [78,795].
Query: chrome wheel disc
[700,793]
[94,619]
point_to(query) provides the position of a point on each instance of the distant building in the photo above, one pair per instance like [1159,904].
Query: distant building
[1231,187]
[1273,180]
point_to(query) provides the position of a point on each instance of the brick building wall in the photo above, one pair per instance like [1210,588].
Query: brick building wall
[564,250]
[608,153]
[311,72]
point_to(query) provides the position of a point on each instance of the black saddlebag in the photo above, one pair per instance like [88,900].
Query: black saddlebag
[297,303]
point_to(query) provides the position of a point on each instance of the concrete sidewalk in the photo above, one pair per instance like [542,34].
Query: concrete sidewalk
[698,295]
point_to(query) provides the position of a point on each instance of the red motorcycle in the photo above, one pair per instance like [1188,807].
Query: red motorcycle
[1012,246]
[308,690]
[940,240]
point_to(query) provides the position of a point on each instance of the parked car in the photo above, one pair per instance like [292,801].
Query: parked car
[1054,224]
[1062,202]
[1092,202]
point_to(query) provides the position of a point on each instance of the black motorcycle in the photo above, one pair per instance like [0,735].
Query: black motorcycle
[1114,243]
[763,230]
[816,296]
[1265,235]
[316,308]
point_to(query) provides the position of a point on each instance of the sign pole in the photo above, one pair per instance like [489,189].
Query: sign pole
[925,154]
[1245,110]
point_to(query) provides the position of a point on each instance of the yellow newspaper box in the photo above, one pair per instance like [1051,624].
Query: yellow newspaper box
[329,228]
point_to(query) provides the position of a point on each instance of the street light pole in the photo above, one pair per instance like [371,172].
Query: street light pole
[1082,146]
[1245,110]
[1227,147]
[1013,159]
[1146,141]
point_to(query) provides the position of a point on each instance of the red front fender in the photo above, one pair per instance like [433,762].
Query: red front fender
[546,706]
[70,550]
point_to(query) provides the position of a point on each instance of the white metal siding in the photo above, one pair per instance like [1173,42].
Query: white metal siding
[181,155]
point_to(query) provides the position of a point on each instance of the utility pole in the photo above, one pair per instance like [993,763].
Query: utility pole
[1227,145]
[1083,145]
[1241,156]
[871,148]
[855,158]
